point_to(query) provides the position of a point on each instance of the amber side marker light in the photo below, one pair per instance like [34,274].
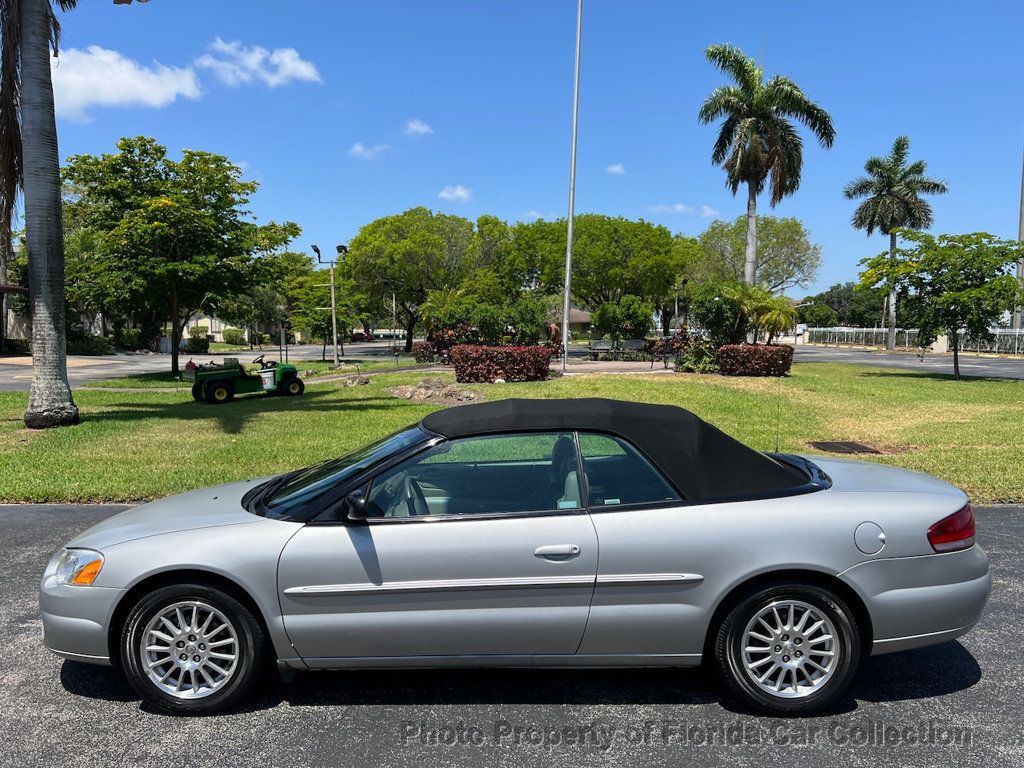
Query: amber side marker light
[88,574]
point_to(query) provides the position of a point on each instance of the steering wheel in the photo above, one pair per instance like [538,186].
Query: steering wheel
[415,501]
[263,363]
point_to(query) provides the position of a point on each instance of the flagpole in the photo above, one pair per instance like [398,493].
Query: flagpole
[1018,311]
[572,189]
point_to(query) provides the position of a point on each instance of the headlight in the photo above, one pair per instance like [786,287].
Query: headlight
[79,567]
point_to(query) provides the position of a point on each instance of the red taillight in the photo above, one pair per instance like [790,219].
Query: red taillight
[953,532]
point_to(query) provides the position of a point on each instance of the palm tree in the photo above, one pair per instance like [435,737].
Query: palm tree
[893,189]
[29,162]
[758,141]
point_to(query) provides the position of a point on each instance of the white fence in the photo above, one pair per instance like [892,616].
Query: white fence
[1005,340]
[861,337]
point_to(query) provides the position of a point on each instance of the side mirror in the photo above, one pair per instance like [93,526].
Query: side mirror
[354,506]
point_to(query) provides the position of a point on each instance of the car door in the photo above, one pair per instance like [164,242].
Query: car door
[475,547]
[646,600]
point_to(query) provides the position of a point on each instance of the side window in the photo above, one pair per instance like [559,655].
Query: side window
[619,474]
[492,474]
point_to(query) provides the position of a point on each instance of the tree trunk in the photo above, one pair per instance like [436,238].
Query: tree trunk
[750,258]
[410,329]
[175,332]
[49,401]
[6,251]
[890,340]
[956,353]
[666,320]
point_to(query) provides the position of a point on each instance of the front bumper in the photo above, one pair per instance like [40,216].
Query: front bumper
[919,601]
[76,619]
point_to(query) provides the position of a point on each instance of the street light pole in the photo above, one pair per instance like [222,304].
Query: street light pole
[342,250]
[334,319]
[1018,311]
[572,188]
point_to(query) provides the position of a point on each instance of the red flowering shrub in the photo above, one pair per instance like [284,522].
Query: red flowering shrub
[476,364]
[754,359]
[423,352]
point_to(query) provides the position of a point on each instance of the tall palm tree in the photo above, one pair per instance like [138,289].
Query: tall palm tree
[29,162]
[893,190]
[757,140]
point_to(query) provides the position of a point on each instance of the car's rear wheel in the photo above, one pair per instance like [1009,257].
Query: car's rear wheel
[197,391]
[191,649]
[788,649]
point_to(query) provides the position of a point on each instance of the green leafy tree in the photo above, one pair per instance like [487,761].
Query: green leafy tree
[786,256]
[629,318]
[612,257]
[410,254]
[892,190]
[853,304]
[175,234]
[758,143]
[965,283]
[819,316]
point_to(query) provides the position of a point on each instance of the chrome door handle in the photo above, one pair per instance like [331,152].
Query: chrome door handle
[557,550]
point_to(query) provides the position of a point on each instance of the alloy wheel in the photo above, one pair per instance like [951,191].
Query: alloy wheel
[189,649]
[790,649]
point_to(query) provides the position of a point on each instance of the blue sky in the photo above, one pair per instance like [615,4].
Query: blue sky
[321,115]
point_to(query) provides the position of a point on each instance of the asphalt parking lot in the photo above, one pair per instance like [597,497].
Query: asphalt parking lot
[955,704]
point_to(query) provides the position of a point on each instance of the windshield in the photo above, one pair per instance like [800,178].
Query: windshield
[290,493]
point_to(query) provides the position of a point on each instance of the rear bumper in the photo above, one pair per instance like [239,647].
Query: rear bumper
[919,601]
[76,620]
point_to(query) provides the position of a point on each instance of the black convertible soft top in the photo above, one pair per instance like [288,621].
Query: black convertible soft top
[703,462]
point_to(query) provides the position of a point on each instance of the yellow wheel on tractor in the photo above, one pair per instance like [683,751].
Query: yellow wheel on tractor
[218,392]
[293,386]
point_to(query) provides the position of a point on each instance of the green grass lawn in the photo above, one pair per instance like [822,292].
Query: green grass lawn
[140,445]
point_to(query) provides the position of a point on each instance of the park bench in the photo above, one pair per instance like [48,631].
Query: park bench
[633,349]
[598,346]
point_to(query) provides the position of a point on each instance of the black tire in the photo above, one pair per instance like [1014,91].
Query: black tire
[251,650]
[197,391]
[220,391]
[729,650]
[292,386]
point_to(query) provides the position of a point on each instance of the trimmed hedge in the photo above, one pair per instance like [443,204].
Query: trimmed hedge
[754,359]
[17,347]
[234,336]
[475,364]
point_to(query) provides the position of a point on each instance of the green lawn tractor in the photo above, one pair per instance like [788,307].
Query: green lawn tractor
[220,382]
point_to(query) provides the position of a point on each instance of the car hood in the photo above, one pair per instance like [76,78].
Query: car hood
[220,505]
[852,475]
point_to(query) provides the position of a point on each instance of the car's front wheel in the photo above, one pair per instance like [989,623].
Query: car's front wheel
[191,649]
[788,649]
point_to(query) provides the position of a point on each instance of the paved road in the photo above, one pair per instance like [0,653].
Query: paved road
[54,712]
[970,365]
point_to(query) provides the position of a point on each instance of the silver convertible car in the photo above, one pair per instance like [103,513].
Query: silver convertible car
[526,533]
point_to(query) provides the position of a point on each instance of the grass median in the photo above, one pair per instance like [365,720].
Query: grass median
[145,444]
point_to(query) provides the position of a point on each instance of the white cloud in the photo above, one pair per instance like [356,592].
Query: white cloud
[364,152]
[456,193]
[706,212]
[616,169]
[670,208]
[532,214]
[416,127]
[236,64]
[99,77]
